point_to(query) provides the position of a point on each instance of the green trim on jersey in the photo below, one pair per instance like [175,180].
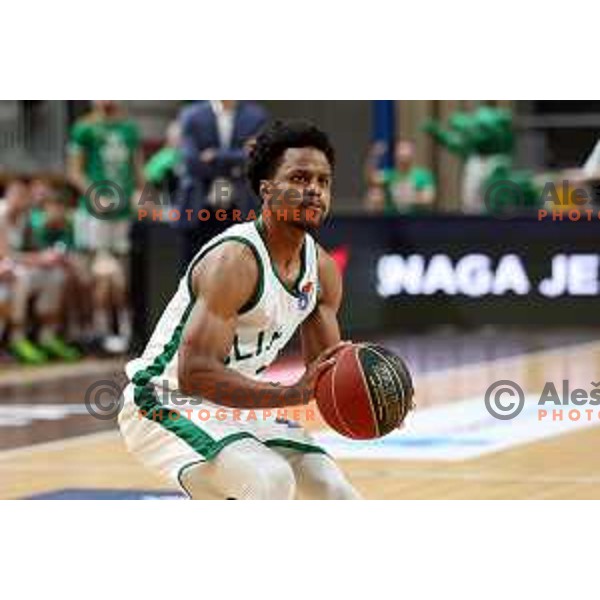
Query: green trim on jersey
[260,286]
[160,362]
[195,437]
[143,376]
[145,397]
[293,291]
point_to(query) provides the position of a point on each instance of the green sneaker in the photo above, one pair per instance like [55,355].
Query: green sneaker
[56,348]
[27,352]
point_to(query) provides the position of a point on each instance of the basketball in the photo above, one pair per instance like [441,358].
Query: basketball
[367,393]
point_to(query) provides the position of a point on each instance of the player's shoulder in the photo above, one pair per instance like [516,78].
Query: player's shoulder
[228,278]
[330,277]
[230,261]
[232,253]
[325,261]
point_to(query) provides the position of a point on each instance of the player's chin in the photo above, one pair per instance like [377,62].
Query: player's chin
[307,224]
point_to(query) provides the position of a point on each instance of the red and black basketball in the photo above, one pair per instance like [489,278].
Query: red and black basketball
[367,393]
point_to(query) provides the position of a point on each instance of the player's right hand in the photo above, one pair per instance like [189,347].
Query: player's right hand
[316,368]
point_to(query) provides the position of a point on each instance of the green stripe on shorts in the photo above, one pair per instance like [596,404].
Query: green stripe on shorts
[294,445]
[195,437]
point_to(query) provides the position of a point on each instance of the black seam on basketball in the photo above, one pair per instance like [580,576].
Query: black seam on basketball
[367,388]
[334,403]
[405,371]
[401,410]
[393,367]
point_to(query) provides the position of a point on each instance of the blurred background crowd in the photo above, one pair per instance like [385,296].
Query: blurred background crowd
[64,259]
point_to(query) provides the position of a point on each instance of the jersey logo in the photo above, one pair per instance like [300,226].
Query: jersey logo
[305,295]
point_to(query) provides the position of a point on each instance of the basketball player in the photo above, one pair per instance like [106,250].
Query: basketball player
[243,297]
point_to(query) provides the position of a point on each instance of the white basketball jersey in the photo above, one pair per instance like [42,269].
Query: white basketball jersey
[265,325]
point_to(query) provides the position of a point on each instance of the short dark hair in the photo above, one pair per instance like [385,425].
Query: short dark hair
[272,142]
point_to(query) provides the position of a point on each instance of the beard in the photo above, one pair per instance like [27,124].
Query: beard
[310,220]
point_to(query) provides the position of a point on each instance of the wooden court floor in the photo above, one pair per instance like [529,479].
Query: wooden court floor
[561,467]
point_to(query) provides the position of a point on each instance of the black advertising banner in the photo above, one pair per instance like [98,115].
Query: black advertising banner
[415,272]
[425,271]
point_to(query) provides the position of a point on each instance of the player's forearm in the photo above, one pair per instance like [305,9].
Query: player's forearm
[226,387]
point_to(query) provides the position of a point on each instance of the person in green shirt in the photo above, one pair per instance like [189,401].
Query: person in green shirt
[52,226]
[105,147]
[52,229]
[35,273]
[409,189]
[105,155]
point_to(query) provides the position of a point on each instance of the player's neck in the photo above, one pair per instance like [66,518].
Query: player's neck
[283,242]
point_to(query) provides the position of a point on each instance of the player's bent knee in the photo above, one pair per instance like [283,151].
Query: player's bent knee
[339,490]
[273,481]
[322,479]
[333,487]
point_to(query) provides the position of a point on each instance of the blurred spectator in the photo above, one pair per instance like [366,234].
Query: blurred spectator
[40,189]
[105,146]
[409,188]
[375,199]
[163,170]
[52,229]
[586,177]
[214,135]
[375,196]
[32,275]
